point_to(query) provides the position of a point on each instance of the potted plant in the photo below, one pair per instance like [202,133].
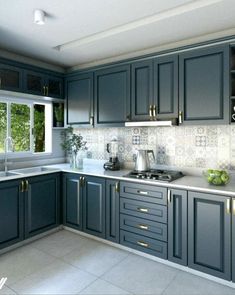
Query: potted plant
[75,147]
[59,115]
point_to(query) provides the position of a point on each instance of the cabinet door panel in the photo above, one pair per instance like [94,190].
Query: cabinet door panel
[233,241]
[80,99]
[10,78]
[204,85]
[11,213]
[112,96]
[34,83]
[42,204]
[94,206]
[209,234]
[166,86]
[112,211]
[55,87]
[142,89]
[72,201]
[177,227]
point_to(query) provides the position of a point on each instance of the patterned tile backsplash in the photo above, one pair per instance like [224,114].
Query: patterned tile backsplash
[194,146]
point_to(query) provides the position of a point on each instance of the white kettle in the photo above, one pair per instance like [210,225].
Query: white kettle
[142,162]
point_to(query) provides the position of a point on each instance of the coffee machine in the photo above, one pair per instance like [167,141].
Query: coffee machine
[113,163]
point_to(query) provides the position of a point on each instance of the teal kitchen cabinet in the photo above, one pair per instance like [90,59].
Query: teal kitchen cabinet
[11,78]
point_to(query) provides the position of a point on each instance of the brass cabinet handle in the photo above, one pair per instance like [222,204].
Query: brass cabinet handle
[117,187]
[143,210]
[143,244]
[154,111]
[142,192]
[142,226]
[47,89]
[26,185]
[83,181]
[180,117]
[150,111]
[233,205]
[169,196]
[91,121]
[80,181]
[228,206]
[44,90]
[22,186]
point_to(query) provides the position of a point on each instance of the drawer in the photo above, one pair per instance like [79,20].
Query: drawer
[145,210]
[147,193]
[144,227]
[144,244]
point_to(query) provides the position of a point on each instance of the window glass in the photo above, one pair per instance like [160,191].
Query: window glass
[20,127]
[3,125]
[39,128]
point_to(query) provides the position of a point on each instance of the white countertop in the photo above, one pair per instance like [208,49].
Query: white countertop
[193,183]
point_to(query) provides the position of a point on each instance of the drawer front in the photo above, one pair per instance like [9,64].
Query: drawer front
[147,193]
[144,210]
[144,244]
[144,227]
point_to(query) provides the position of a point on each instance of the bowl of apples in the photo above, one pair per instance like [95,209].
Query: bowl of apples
[217,177]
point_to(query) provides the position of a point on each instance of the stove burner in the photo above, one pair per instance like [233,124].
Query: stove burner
[156,174]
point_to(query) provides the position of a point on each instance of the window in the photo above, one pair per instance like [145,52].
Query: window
[28,123]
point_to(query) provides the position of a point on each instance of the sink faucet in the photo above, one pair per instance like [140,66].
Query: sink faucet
[8,145]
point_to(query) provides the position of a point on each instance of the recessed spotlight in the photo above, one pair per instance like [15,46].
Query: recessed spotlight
[39,17]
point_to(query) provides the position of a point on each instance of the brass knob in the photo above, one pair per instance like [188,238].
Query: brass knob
[180,117]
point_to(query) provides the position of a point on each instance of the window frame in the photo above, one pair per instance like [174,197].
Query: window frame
[48,123]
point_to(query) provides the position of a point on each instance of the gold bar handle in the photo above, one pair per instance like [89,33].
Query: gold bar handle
[47,88]
[26,185]
[150,111]
[180,117]
[91,121]
[143,244]
[44,90]
[154,111]
[117,187]
[233,201]
[169,196]
[228,206]
[22,186]
[142,226]
[142,192]
[145,210]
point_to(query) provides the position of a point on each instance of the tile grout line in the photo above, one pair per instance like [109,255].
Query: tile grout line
[162,293]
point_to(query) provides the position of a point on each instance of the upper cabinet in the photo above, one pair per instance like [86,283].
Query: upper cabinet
[112,96]
[165,83]
[204,85]
[142,90]
[79,94]
[10,78]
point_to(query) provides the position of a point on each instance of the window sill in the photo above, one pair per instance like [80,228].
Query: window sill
[24,155]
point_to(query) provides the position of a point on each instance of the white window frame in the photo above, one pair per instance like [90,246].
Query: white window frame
[48,127]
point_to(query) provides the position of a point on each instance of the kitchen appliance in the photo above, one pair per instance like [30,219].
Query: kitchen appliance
[155,174]
[112,149]
[142,162]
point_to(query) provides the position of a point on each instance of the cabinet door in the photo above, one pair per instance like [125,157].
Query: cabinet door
[112,210]
[10,78]
[204,85]
[34,83]
[233,240]
[166,86]
[177,226]
[142,90]
[209,229]
[42,200]
[79,93]
[112,96]
[55,87]
[94,206]
[11,213]
[72,201]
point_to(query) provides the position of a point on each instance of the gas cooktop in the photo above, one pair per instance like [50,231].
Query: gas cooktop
[155,174]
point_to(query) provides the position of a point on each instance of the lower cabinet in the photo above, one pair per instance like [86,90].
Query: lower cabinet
[112,210]
[42,203]
[177,226]
[233,240]
[209,234]
[11,213]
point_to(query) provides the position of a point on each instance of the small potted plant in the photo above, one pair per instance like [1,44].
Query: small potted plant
[75,147]
[59,115]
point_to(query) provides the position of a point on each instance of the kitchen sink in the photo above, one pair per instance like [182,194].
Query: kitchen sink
[34,170]
[8,174]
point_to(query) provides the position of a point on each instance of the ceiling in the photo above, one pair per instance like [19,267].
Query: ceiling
[104,29]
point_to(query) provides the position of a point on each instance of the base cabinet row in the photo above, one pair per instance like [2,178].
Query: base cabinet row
[28,207]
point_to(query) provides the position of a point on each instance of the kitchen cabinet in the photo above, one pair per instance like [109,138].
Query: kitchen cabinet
[233,240]
[142,90]
[204,85]
[112,96]
[79,94]
[72,200]
[42,203]
[11,78]
[11,213]
[112,210]
[177,226]
[94,206]
[165,83]
[209,234]
[54,86]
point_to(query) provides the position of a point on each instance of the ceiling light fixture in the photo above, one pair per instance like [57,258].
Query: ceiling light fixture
[178,10]
[39,17]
